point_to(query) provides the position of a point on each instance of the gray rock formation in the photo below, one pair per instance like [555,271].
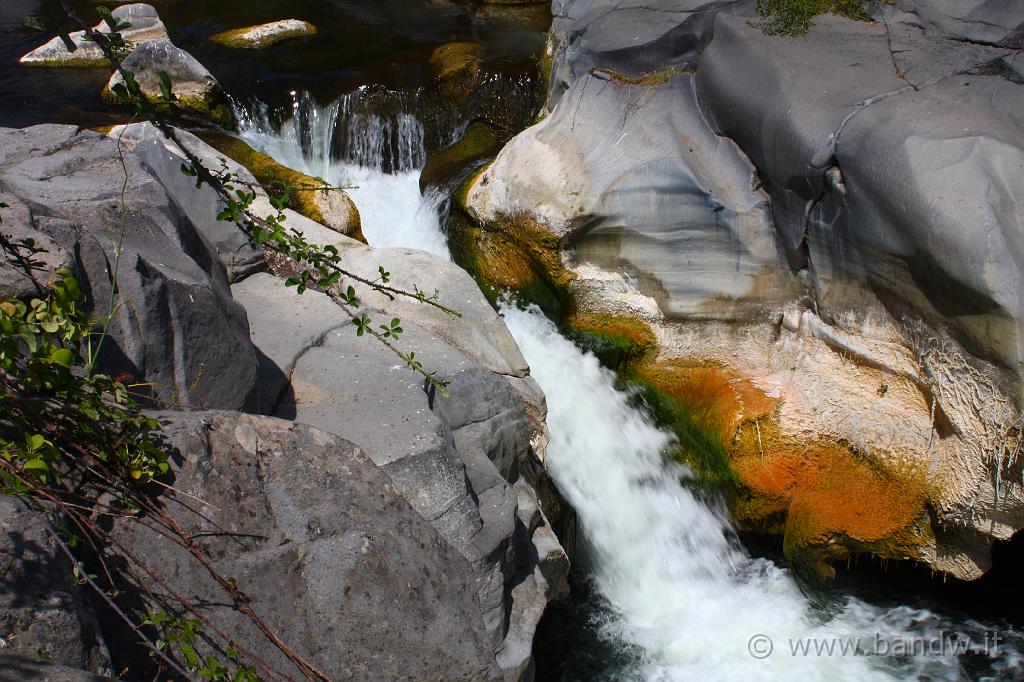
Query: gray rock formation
[628,172]
[193,85]
[42,614]
[145,26]
[176,327]
[632,38]
[339,566]
[890,155]
[465,462]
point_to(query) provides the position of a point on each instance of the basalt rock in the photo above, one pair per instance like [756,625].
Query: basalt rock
[195,88]
[467,461]
[42,613]
[174,326]
[332,557]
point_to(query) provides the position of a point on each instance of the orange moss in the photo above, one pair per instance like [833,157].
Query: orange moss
[833,499]
[715,395]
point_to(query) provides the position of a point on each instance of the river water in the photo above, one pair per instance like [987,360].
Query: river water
[670,594]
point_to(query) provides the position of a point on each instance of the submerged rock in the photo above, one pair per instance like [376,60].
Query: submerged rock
[265,35]
[145,26]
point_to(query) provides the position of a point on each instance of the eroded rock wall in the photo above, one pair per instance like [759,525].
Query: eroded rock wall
[806,249]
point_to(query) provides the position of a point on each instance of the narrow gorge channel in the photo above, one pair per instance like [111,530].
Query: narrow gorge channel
[670,592]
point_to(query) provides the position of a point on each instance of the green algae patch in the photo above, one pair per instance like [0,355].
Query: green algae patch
[514,254]
[704,404]
[618,341]
[306,197]
[481,142]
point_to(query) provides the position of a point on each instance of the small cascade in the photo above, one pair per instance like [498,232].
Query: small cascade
[679,596]
[370,142]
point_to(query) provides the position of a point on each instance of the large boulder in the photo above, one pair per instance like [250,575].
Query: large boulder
[174,327]
[43,614]
[628,173]
[164,159]
[465,461]
[194,87]
[887,271]
[332,558]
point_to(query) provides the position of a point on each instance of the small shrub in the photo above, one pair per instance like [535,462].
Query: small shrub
[793,17]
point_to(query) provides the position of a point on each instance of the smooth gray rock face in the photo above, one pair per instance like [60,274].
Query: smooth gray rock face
[163,158]
[41,613]
[15,668]
[784,100]
[176,327]
[633,38]
[996,22]
[334,560]
[931,210]
[478,331]
[630,174]
[455,459]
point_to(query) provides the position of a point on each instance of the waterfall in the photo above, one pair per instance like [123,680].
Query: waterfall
[377,155]
[678,588]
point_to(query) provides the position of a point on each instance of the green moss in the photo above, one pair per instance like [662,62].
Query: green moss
[266,170]
[512,253]
[794,17]
[617,341]
[478,144]
[700,446]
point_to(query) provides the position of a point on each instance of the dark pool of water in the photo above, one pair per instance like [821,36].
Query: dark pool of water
[359,42]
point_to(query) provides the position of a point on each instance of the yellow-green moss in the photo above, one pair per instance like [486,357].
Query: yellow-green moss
[266,170]
[479,143]
[213,107]
[514,253]
[236,37]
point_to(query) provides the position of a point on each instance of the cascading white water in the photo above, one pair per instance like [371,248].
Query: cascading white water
[696,604]
[393,211]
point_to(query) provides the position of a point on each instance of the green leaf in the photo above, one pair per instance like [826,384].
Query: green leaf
[63,357]
[34,442]
[68,42]
[36,465]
